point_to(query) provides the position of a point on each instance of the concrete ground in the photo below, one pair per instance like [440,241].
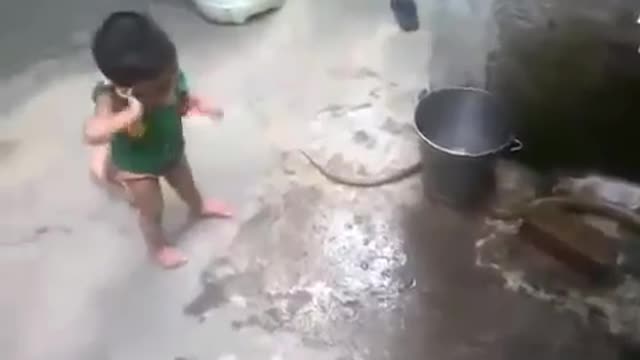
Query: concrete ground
[307,270]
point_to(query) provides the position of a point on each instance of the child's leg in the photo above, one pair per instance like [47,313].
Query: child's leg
[147,198]
[103,173]
[181,179]
[98,161]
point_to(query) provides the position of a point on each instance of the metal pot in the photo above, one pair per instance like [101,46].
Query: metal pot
[463,131]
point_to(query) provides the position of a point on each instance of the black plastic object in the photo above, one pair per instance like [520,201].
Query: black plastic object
[406,14]
[462,132]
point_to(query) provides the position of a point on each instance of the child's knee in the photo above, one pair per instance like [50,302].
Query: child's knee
[97,176]
[98,170]
[99,163]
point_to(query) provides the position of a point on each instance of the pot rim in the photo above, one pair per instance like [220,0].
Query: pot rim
[443,149]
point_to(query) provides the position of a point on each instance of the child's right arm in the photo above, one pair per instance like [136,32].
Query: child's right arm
[105,122]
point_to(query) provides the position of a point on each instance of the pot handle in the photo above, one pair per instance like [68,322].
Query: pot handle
[515,145]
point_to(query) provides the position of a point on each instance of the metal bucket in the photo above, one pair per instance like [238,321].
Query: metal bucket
[463,130]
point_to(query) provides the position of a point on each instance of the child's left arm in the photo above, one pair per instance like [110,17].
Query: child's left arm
[195,105]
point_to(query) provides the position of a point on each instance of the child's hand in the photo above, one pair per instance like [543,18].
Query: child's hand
[131,121]
[195,106]
[134,106]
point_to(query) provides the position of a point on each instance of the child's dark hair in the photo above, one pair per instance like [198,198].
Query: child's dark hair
[130,47]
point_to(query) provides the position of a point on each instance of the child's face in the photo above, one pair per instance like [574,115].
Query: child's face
[159,91]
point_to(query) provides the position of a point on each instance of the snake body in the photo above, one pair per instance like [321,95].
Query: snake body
[394,177]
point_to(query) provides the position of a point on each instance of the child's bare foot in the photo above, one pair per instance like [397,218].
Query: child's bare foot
[169,257]
[214,208]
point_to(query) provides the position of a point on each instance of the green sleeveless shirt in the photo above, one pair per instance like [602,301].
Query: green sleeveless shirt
[160,146]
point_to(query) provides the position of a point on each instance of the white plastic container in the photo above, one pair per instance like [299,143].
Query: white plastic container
[235,11]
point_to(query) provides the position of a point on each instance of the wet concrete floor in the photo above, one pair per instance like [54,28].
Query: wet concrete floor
[308,270]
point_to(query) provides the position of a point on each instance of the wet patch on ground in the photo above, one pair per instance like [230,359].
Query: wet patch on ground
[365,140]
[340,110]
[332,265]
[309,262]
[313,258]
[613,306]
[525,269]
[395,127]
[318,260]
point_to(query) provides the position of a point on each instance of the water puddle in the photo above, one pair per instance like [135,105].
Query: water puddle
[524,268]
[310,264]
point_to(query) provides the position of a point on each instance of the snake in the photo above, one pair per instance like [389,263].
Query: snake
[391,178]
[612,211]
